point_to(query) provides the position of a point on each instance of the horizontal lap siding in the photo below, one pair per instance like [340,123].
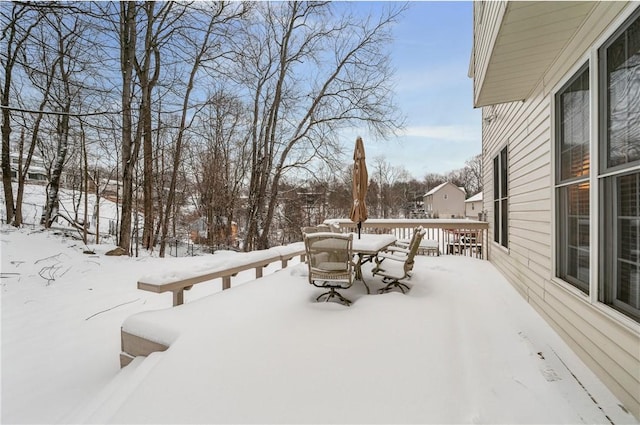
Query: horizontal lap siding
[607,345]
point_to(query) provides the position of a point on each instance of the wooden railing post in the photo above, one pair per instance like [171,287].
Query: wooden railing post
[178,297]
[226,282]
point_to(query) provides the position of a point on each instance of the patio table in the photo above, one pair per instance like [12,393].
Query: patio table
[366,248]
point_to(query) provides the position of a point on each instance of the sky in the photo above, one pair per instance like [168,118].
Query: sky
[431,54]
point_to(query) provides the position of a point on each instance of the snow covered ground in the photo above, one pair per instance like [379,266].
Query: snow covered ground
[461,347]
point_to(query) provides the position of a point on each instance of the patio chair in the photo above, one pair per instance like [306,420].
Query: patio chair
[427,246]
[402,246]
[397,268]
[330,263]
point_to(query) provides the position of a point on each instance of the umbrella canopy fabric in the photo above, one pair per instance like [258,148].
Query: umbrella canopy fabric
[360,183]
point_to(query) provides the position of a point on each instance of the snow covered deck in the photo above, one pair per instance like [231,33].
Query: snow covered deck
[461,347]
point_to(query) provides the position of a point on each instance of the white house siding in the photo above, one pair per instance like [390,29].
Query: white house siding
[450,207]
[605,340]
[472,209]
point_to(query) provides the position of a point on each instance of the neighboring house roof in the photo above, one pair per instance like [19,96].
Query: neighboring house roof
[475,198]
[437,188]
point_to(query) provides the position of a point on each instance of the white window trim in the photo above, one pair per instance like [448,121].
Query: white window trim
[594,191]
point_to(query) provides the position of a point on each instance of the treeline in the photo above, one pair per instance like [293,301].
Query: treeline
[392,193]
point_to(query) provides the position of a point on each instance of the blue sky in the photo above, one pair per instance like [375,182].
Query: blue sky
[431,55]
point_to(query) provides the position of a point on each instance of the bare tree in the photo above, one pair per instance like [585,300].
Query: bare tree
[127,33]
[220,164]
[14,35]
[432,180]
[67,30]
[200,44]
[473,175]
[159,26]
[388,176]
[308,75]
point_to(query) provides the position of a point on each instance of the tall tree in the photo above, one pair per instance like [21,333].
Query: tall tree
[127,33]
[67,30]
[308,75]
[14,35]
[220,164]
[202,43]
[473,175]
[158,28]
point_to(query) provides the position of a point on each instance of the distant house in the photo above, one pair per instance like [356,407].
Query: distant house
[559,88]
[36,171]
[473,207]
[445,201]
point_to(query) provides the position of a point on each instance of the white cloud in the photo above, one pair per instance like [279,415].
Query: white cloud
[457,133]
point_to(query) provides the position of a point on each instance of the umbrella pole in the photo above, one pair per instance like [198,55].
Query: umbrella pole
[359,227]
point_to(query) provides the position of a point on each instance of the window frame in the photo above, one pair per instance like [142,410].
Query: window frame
[501,198]
[561,192]
[608,179]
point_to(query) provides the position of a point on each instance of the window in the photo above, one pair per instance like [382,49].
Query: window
[500,193]
[572,180]
[619,144]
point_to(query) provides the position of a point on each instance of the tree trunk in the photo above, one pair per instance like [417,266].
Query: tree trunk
[129,150]
[52,203]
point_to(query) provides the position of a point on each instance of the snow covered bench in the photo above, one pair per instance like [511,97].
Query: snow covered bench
[178,282]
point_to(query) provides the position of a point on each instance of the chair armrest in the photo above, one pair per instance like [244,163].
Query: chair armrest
[397,249]
[386,255]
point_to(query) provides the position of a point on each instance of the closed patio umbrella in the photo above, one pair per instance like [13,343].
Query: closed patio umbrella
[360,183]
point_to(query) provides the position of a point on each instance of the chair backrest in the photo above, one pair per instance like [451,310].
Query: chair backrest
[323,227]
[335,227]
[329,256]
[308,229]
[416,231]
[413,248]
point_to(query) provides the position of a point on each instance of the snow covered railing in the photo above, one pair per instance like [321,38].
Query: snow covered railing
[178,282]
[444,236]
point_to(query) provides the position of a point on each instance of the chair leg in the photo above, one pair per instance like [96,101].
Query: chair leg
[391,284]
[332,293]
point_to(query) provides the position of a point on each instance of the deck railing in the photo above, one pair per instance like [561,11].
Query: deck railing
[443,237]
[451,236]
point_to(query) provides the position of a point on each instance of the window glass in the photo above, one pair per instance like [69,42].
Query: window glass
[573,235]
[500,201]
[573,107]
[628,249]
[623,97]
[496,199]
[573,165]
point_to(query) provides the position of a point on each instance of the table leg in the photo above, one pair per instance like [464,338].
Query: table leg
[359,273]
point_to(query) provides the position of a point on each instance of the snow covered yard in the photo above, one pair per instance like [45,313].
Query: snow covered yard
[460,347]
